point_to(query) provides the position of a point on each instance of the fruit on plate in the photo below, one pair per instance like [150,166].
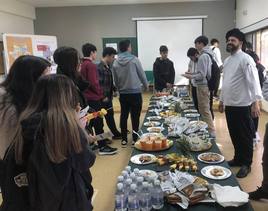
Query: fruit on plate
[217,172]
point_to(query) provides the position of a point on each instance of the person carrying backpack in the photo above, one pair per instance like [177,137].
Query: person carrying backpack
[261,70]
[47,166]
[204,74]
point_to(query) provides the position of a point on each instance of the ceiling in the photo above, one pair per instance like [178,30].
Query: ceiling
[63,3]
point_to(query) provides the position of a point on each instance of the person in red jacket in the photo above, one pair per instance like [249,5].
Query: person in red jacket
[94,94]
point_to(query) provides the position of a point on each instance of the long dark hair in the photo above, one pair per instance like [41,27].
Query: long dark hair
[67,59]
[54,96]
[21,79]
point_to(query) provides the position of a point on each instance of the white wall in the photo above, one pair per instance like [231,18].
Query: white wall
[16,17]
[250,11]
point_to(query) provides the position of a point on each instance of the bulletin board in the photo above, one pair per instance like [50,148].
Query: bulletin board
[16,45]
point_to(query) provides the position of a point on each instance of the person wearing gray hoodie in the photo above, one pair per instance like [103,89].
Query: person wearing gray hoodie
[201,77]
[129,77]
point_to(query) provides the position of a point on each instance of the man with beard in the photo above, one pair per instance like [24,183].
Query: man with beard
[240,94]
[163,70]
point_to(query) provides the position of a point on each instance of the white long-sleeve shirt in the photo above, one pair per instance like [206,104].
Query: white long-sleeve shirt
[240,86]
[217,55]
[192,68]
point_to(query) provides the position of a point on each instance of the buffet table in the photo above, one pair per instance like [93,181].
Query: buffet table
[231,181]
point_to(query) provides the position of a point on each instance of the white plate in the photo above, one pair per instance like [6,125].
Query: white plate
[190,111]
[136,159]
[206,172]
[192,115]
[199,157]
[152,129]
[154,118]
[147,173]
[147,124]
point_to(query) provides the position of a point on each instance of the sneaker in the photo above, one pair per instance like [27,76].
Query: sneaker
[93,147]
[258,194]
[108,141]
[124,143]
[107,150]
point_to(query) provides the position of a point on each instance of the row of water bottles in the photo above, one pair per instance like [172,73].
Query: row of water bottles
[134,193]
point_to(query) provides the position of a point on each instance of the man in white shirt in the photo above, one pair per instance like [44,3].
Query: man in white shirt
[201,77]
[217,56]
[240,94]
[262,192]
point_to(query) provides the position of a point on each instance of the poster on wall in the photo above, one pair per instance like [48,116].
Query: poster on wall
[16,45]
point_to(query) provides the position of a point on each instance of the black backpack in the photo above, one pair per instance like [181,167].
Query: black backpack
[215,74]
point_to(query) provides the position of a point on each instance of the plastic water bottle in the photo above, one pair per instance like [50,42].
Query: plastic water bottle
[133,177]
[127,186]
[136,172]
[157,196]
[120,179]
[145,198]
[120,198]
[128,169]
[139,184]
[133,201]
[125,175]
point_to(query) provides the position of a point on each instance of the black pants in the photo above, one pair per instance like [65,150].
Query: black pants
[211,104]
[97,123]
[109,117]
[130,103]
[265,160]
[241,129]
[194,95]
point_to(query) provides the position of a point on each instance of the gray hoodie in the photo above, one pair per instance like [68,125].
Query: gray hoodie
[203,67]
[128,74]
[265,89]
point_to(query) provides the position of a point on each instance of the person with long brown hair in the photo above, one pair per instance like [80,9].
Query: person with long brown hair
[49,159]
[15,92]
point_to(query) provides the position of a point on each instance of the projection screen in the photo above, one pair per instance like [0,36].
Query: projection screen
[177,34]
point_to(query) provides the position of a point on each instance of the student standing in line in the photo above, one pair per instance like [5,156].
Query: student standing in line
[240,96]
[163,70]
[203,73]
[193,54]
[262,192]
[48,162]
[94,94]
[128,77]
[15,92]
[107,85]
[216,50]
[261,69]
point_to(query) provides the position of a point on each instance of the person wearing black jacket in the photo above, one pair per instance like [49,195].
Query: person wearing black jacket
[47,167]
[163,70]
